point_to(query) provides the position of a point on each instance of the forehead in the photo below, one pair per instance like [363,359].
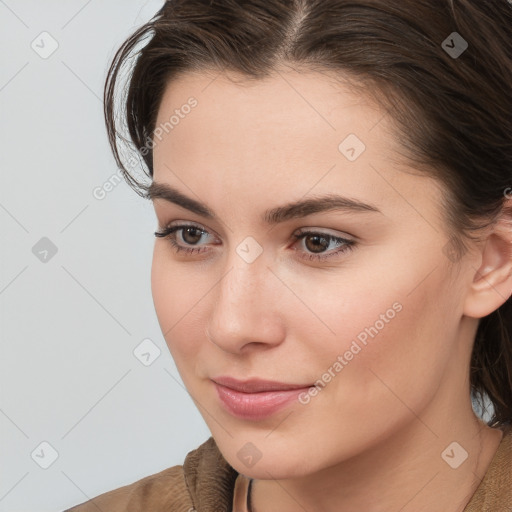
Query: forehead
[321,101]
[291,115]
[293,131]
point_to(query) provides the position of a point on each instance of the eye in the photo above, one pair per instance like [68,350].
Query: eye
[190,234]
[315,242]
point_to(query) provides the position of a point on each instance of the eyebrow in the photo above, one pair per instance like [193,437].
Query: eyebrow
[293,210]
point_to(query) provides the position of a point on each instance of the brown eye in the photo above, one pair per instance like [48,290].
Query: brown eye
[316,243]
[191,235]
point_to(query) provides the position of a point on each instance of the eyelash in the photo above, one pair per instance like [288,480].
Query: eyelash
[348,245]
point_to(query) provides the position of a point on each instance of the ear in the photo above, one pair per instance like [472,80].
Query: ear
[492,283]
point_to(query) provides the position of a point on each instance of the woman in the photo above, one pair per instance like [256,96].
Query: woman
[333,267]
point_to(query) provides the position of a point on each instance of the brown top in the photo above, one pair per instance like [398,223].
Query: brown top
[207,483]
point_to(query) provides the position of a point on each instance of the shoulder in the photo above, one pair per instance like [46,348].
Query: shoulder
[204,476]
[149,492]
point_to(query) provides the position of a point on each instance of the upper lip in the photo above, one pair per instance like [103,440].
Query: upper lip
[256,385]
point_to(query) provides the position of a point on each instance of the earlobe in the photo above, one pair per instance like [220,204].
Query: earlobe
[492,282]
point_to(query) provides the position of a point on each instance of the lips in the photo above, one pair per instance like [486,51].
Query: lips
[255,398]
[256,385]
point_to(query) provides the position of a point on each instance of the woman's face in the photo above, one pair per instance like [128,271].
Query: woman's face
[366,306]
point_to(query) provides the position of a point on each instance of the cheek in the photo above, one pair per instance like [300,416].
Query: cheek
[175,298]
[387,336]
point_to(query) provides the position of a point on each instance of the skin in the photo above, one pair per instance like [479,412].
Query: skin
[372,438]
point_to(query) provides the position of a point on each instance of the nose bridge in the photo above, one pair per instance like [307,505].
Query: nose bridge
[243,305]
[242,287]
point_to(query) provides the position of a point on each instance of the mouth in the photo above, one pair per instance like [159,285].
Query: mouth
[256,399]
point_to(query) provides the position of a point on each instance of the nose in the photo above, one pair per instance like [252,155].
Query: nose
[247,308]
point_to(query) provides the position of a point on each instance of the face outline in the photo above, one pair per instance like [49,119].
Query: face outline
[248,148]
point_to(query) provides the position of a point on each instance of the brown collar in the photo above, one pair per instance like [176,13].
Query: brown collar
[210,479]
[494,494]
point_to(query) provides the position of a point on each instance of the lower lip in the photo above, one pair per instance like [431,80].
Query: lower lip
[256,406]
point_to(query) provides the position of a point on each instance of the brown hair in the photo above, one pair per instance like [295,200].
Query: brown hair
[452,104]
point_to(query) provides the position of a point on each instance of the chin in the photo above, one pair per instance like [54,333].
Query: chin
[265,460]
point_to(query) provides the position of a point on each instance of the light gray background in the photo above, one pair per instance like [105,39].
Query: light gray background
[69,325]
